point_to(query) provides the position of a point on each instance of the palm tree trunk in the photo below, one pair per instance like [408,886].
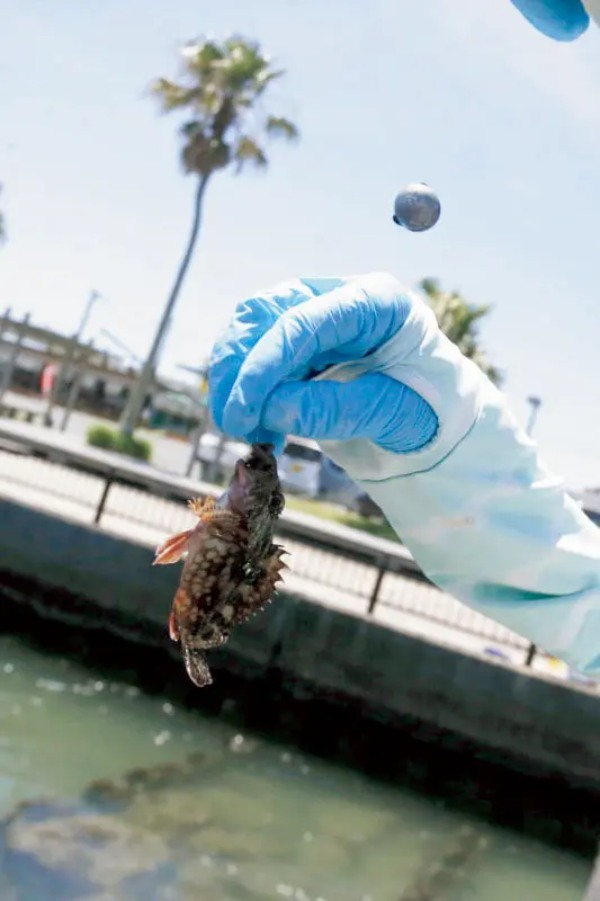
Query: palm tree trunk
[145,382]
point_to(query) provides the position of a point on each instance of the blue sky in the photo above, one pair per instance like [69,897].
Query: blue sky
[504,123]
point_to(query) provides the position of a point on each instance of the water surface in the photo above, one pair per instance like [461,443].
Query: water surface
[211,813]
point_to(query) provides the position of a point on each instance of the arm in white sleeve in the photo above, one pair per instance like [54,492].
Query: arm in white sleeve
[477,509]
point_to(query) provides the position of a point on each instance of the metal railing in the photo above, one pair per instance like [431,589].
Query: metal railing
[354,568]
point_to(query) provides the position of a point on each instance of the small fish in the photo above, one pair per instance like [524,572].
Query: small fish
[231,564]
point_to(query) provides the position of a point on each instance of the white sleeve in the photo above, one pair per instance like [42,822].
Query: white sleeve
[477,509]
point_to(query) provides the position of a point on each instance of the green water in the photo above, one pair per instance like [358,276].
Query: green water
[246,820]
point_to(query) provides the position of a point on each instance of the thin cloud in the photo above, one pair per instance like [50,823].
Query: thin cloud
[568,74]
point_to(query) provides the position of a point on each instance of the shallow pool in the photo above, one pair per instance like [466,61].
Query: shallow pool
[133,797]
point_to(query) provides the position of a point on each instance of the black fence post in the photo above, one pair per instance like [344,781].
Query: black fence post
[375,593]
[103,499]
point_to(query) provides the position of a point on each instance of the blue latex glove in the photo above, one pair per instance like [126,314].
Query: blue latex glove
[563,20]
[259,369]
[468,495]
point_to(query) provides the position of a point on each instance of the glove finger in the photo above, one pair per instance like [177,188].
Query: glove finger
[344,324]
[252,318]
[563,20]
[372,406]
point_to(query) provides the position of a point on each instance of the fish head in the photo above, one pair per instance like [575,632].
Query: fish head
[255,483]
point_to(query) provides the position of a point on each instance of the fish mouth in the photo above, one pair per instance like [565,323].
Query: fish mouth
[264,452]
[260,459]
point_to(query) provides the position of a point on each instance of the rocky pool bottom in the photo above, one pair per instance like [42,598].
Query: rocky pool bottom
[119,780]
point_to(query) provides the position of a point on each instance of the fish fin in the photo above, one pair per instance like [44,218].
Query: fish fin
[197,667]
[256,597]
[173,549]
[206,510]
[199,506]
[173,627]
[181,605]
[224,520]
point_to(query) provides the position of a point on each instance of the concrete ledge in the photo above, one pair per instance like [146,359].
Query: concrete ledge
[551,727]
[545,722]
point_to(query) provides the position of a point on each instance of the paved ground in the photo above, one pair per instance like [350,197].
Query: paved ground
[169,455]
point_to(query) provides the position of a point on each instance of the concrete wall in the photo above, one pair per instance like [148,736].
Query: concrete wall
[318,650]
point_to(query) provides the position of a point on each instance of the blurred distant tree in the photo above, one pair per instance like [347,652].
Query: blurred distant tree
[459,320]
[221,92]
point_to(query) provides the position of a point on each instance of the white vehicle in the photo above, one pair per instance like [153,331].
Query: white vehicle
[300,467]
[303,469]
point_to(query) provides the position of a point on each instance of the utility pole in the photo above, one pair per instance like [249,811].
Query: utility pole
[94,296]
[68,359]
[73,390]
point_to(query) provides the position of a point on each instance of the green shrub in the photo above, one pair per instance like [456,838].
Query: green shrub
[102,436]
[133,447]
[107,438]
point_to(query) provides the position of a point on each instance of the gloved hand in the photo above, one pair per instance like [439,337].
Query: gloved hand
[260,367]
[563,20]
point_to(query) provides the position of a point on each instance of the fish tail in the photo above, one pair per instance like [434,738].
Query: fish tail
[197,667]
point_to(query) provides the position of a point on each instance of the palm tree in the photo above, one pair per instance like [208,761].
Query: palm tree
[459,320]
[221,90]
